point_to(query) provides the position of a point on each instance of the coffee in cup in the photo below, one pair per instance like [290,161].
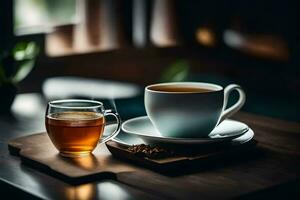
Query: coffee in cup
[189,109]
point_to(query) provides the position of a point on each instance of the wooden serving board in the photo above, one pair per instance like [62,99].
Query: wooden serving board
[189,158]
[37,151]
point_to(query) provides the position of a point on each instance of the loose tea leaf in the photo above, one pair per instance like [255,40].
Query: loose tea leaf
[149,151]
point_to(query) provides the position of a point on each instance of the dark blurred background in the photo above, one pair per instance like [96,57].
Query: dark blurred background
[253,43]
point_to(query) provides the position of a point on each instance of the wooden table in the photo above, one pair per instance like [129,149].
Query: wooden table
[273,171]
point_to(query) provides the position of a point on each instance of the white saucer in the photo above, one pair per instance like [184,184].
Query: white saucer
[229,130]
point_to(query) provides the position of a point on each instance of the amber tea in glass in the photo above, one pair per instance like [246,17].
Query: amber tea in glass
[75,127]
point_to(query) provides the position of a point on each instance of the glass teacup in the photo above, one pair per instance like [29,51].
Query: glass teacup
[75,126]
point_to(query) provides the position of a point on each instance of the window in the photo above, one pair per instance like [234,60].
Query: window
[36,16]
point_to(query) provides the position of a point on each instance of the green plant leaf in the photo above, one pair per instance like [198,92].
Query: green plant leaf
[24,54]
[24,69]
[178,71]
[18,62]
[24,51]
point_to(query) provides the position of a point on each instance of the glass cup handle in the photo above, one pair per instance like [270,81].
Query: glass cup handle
[235,107]
[115,133]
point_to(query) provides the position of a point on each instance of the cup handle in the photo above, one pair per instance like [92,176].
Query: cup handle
[237,106]
[115,133]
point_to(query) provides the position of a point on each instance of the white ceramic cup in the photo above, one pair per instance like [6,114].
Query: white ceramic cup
[190,114]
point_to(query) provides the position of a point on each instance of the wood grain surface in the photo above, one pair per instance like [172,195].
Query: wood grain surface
[273,172]
[37,151]
[276,163]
